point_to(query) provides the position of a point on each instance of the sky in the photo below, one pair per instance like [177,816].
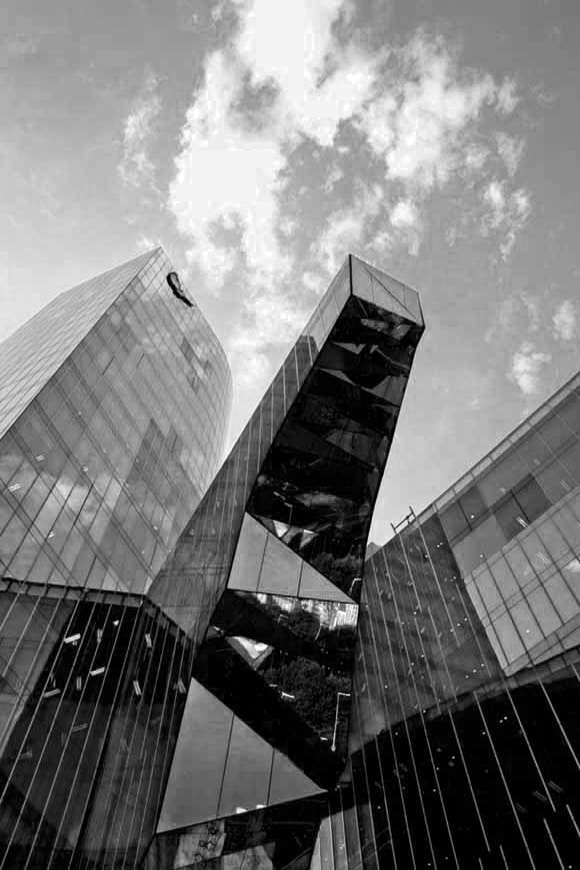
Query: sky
[259,141]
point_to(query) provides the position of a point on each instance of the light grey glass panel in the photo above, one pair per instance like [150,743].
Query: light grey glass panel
[486,587]
[249,555]
[508,637]
[289,783]
[552,539]
[544,612]
[366,287]
[314,585]
[526,624]
[564,601]
[195,780]
[280,569]
[504,578]
[248,770]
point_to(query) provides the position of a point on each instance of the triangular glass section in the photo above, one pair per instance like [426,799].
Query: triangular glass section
[288,782]
[195,780]
[221,767]
[249,555]
[248,770]
[280,569]
[368,287]
[314,585]
[408,297]
[265,563]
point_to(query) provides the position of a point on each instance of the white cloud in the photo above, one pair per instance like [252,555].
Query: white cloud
[532,307]
[510,149]
[345,229]
[506,213]
[475,157]
[269,318]
[406,220]
[136,167]
[404,214]
[526,365]
[418,127]
[564,321]
[507,98]
[292,47]
[233,159]
[225,172]
[145,243]
[290,84]
[333,177]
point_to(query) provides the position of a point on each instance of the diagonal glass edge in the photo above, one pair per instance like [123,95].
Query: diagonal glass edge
[394,288]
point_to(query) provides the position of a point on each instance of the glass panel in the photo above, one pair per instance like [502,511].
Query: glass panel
[198,766]
[510,517]
[484,584]
[472,503]
[569,412]
[508,637]
[563,599]
[532,499]
[527,625]
[289,783]
[248,770]
[555,481]
[569,525]
[249,555]
[552,539]
[544,612]
[314,585]
[570,459]
[280,568]
[503,476]
[520,565]
[454,521]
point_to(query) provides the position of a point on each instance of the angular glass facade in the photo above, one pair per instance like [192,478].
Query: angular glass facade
[464,742]
[265,582]
[198,716]
[115,401]
[113,414]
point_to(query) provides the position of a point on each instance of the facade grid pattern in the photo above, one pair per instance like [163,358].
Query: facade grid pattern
[465,745]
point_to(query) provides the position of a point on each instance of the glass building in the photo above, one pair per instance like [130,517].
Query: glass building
[464,744]
[114,403]
[193,709]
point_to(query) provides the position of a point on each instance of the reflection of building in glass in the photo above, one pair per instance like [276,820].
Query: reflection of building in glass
[465,739]
[199,714]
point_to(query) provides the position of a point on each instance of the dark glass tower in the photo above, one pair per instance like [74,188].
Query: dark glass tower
[465,738]
[265,583]
[201,718]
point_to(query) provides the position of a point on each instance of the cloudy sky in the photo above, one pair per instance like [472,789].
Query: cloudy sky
[261,140]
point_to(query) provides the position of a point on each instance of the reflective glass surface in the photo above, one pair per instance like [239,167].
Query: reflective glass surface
[111,451]
[464,741]
[170,710]
[93,689]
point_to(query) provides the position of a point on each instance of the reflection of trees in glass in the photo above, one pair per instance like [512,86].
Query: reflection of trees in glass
[333,647]
[314,688]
